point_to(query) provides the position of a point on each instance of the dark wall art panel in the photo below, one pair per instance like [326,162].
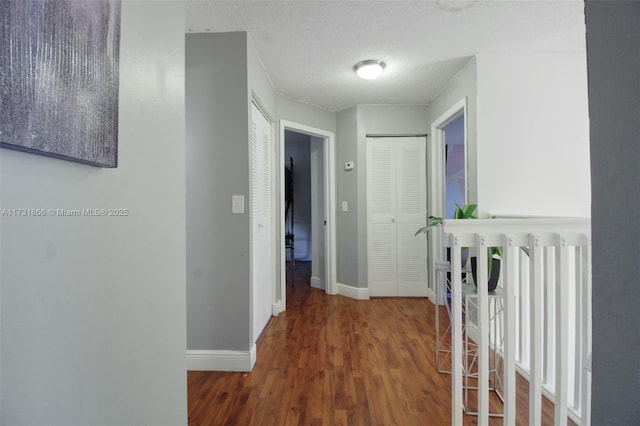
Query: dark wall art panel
[59,78]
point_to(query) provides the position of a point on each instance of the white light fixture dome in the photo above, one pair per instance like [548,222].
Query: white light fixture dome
[369,69]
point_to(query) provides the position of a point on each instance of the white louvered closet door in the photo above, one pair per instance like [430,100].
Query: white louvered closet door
[261,215]
[396,208]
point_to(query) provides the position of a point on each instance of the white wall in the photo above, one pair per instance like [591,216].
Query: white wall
[533,135]
[93,308]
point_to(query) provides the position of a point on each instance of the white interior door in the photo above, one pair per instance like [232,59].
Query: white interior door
[381,227]
[261,147]
[411,212]
[396,208]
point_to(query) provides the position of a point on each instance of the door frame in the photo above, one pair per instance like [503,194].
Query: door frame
[329,210]
[436,182]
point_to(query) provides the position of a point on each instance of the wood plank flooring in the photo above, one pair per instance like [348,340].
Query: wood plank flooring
[331,360]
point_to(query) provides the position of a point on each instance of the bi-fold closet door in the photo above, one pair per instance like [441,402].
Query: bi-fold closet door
[261,148]
[396,209]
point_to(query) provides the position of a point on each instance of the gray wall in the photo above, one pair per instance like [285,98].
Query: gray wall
[353,124]
[613,43]
[93,308]
[379,119]
[347,190]
[299,112]
[223,74]
[463,84]
[218,250]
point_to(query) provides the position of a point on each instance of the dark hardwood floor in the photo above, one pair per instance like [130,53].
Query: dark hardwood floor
[331,360]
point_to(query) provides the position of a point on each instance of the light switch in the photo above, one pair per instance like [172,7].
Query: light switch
[345,206]
[237,204]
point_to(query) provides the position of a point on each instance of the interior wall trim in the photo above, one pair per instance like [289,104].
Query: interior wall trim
[395,135]
[221,360]
[353,292]
[277,308]
[317,283]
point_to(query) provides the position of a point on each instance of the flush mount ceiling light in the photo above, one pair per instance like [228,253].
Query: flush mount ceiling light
[369,69]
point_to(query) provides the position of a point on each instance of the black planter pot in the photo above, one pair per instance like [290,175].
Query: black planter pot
[464,255]
[495,272]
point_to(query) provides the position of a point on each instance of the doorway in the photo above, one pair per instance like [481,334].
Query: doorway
[448,175]
[455,184]
[310,217]
[304,208]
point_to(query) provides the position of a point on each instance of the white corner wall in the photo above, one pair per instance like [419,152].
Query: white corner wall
[533,135]
[93,308]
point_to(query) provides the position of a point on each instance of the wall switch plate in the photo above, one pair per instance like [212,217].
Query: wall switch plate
[345,206]
[237,204]
[348,165]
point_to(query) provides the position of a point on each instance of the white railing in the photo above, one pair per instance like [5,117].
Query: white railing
[546,314]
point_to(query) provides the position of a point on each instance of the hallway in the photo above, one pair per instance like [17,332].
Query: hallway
[331,360]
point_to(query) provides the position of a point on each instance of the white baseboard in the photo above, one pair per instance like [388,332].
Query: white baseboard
[353,292]
[220,360]
[276,308]
[317,283]
[431,295]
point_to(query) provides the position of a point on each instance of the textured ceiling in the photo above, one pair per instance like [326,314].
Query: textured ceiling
[309,47]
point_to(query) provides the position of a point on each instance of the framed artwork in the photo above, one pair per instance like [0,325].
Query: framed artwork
[59,81]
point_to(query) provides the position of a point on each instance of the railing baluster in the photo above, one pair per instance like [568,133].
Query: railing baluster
[549,317]
[536,314]
[456,333]
[535,358]
[562,331]
[578,289]
[483,332]
[585,326]
[509,347]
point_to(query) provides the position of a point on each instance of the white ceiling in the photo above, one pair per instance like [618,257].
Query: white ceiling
[309,47]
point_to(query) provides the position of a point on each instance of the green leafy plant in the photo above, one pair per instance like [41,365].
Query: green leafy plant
[462,212]
[468,211]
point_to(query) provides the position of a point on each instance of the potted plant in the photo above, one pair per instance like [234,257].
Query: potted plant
[465,212]
[462,212]
[494,253]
